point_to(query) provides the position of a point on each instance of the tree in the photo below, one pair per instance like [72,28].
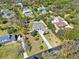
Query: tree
[34,33]
[69,51]
[49,24]
[11,30]
[73,34]
[37,37]
[41,57]
[41,47]
[0,45]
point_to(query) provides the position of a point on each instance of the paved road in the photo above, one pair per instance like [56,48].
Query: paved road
[45,40]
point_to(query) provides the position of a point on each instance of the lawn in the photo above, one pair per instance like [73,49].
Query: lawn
[20,13]
[52,39]
[11,52]
[36,45]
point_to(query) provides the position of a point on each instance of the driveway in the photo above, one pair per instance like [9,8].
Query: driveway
[23,46]
[45,40]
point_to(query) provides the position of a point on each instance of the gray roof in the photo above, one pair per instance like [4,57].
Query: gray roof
[18,0]
[7,38]
[43,10]
[39,26]
[7,13]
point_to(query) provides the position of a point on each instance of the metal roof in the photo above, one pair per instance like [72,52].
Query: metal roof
[7,38]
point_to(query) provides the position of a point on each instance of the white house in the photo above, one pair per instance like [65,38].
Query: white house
[27,12]
[19,5]
[39,26]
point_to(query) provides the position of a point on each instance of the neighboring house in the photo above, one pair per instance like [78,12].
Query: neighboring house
[8,38]
[39,26]
[43,10]
[55,8]
[7,13]
[19,5]
[27,12]
[18,1]
[60,23]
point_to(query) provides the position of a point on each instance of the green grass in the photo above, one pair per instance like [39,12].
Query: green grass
[10,52]
[36,45]
[74,34]
[52,39]
[19,13]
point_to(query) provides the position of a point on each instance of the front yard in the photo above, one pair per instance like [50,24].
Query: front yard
[52,39]
[37,45]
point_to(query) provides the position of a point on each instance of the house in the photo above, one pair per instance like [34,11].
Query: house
[7,13]
[43,10]
[19,5]
[8,38]
[18,1]
[39,26]
[27,12]
[60,23]
[55,8]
